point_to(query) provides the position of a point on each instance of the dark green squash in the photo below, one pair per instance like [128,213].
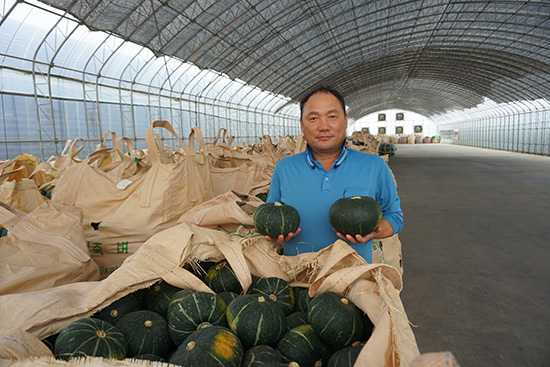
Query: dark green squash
[194,312]
[90,337]
[178,296]
[146,332]
[274,219]
[368,327]
[276,289]
[221,278]
[301,345]
[301,298]
[335,319]
[256,320]
[345,357]
[387,148]
[116,310]
[355,215]
[228,296]
[259,355]
[158,297]
[200,268]
[296,319]
[214,346]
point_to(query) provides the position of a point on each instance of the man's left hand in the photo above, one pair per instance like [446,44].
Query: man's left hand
[384,230]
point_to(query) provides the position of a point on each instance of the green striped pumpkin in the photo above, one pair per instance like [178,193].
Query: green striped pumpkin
[301,345]
[116,310]
[345,357]
[259,355]
[256,320]
[90,337]
[158,297]
[228,296]
[274,219]
[335,319]
[221,278]
[301,298]
[214,346]
[194,312]
[178,296]
[146,332]
[276,289]
[296,319]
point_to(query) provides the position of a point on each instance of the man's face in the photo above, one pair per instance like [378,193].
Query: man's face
[324,123]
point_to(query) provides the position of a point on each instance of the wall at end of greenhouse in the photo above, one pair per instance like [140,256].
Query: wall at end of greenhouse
[525,132]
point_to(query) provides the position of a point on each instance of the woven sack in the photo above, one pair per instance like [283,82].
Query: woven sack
[43,249]
[121,214]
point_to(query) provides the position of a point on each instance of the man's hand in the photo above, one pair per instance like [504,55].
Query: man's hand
[282,238]
[384,230]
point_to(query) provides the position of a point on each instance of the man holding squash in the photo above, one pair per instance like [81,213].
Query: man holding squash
[311,181]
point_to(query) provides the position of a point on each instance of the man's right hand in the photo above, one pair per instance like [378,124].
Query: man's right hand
[282,238]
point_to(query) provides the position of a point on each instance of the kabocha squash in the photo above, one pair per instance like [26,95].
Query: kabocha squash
[355,215]
[301,298]
[194,312]
[345,357]
[178,296]
[158,297]
[259,355]
[335,319]
[90,337]
[387,148]
[228,296]
[146,332]
[301,345]
[256,320]
[296,319]
[368,327]
[276,289]
[221,278]
[209,347]
[274,219]
[116,310]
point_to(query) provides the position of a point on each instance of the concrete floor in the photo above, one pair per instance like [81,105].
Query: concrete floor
[476,252]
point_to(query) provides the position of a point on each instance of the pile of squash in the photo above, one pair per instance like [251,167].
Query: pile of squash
[272,324]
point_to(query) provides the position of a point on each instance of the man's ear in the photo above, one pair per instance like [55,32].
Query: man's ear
[302,126]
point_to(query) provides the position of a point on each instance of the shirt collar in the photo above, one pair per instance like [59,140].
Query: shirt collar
[339,160]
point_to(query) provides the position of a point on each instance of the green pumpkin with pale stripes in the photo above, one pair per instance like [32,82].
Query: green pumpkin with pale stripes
[274,219]
[221,278]
[335,319]
[276,289]
[256,320]
[301,345]
[194,312]
[90,337]
[146,332]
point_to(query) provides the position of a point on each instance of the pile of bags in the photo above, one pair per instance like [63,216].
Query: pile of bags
[118,222]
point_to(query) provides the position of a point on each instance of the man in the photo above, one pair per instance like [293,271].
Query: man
[313,180]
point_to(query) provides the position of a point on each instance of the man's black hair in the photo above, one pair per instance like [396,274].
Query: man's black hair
[323,89]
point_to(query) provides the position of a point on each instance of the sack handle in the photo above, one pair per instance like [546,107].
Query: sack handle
[9,162]
[152,148]
[196,133]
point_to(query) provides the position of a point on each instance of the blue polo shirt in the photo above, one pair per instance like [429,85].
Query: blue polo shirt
[303,183]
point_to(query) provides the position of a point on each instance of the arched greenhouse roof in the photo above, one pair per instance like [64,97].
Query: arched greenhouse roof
[428,56]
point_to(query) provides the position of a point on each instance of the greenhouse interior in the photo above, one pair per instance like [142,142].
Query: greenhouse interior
[454,96]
